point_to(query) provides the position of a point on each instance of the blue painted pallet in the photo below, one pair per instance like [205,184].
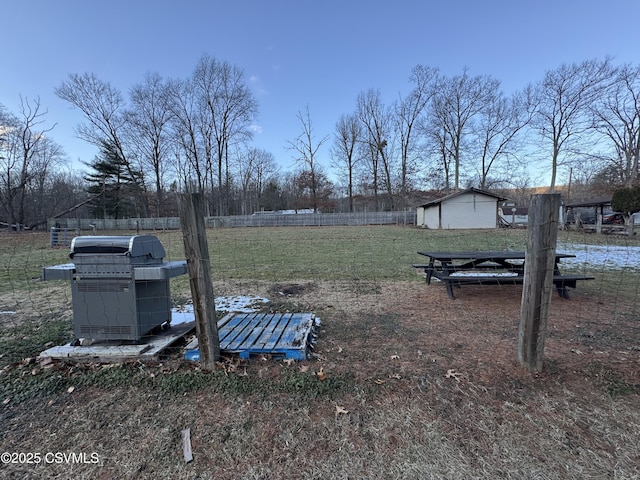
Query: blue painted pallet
[285,335]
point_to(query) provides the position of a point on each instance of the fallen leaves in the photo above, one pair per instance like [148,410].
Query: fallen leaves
[341,410]
[451,373]
[392,376]
[231,365]
[321,375]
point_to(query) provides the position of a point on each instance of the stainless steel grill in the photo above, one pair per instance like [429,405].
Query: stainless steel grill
[119,285]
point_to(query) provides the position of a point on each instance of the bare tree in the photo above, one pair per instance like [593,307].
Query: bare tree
[255,168]
[228,108]
[617,117]
[517,187]
[26,154]
[497,129]
[407,115]
[437,147]
[562,120]
[9,164]
[186,138]
[376,120]
[314,189]
[457,104]
[306,147]
[369,172]
[344,152]
[149,118]
[44,198]
[105,111]
[64,191]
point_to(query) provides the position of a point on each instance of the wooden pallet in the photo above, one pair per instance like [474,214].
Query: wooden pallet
[280,335]
[149,348]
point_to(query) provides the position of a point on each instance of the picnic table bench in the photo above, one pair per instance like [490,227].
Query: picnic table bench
[455,269]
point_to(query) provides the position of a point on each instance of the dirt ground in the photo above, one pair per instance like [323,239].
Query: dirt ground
[434,391]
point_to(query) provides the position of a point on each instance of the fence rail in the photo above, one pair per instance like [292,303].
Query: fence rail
[258,220]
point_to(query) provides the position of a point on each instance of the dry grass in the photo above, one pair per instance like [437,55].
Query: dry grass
[430,386]
[409,415]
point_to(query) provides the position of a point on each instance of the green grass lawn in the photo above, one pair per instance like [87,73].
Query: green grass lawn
[292,253]
[339,253]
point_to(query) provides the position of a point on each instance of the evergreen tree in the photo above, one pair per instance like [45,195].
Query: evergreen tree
[271,197]
[114,184]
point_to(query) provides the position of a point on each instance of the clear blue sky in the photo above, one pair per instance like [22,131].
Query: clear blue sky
[317,52]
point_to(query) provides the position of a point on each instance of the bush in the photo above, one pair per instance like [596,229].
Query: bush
[626,200]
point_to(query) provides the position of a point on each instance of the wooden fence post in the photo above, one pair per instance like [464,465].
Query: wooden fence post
[542,233]
[196,249]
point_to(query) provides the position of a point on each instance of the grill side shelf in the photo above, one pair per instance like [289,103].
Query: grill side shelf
[161,272]
[59,272]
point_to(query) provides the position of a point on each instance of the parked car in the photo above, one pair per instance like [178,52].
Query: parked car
[613,219]
[588,218]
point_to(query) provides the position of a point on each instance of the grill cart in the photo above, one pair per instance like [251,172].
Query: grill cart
[119,285]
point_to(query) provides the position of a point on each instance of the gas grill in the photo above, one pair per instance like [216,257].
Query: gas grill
[119,286]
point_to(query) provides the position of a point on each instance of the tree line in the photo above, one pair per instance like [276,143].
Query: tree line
[195,134]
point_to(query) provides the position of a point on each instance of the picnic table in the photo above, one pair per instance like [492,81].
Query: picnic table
[455,269]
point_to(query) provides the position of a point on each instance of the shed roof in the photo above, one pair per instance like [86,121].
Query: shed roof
[462,192]
[597,202]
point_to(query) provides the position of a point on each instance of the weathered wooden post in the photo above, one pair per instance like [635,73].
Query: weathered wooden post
[542,233]
[196,250]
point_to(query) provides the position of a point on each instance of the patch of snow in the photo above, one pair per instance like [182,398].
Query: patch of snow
[598,257]
[484,274]
[239,303]
[587,258]
[236,303]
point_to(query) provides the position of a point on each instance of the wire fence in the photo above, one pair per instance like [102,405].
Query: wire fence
[263,219]
[303,268]
[399,370]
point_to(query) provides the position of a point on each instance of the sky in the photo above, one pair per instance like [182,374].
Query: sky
[295,54]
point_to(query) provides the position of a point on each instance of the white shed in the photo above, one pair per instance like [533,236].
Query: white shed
[470,208]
